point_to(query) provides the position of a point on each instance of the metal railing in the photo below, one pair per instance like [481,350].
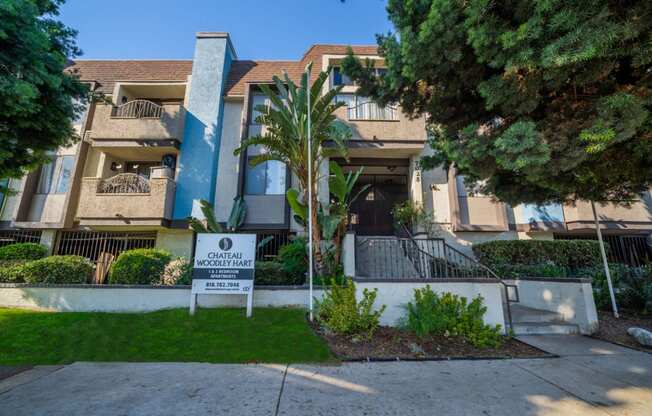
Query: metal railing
[124,183]
[370,110]
[91,244]
[422,258]
[8,237]
[270,250]
[137,109]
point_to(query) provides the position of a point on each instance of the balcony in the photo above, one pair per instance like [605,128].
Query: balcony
[127,199]
[371,122]
[138,122]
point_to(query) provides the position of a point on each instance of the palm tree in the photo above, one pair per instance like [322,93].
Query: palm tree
[285,137]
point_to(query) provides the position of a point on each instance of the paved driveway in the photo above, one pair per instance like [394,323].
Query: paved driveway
[591,378]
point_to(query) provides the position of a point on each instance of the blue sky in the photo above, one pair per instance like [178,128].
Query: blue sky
[260,29]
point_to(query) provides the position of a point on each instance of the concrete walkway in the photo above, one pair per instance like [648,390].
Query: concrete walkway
[590,378]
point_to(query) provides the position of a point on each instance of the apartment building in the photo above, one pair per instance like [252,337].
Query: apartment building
[166,140]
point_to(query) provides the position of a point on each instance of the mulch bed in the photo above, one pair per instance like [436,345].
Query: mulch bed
[389,343]
[615,330]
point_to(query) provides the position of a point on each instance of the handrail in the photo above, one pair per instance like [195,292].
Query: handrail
[137,109]
[472,260]
[124,183]
[374,111]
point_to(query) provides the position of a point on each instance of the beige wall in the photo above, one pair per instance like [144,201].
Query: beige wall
[403,129]
[177,242]
[228,169]
[126,209]
[637,212]
[169,126]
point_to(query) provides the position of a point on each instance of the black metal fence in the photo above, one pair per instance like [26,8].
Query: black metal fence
[91,244]
[633,250]
[19,236]
[408,258]
[270,250]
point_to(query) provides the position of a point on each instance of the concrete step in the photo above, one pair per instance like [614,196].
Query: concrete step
[542,328]
[524,314]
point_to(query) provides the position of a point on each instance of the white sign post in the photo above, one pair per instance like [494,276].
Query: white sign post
[224,265]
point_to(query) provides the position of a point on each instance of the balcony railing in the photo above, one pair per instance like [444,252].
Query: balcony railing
[137,109]
[124,183]
[370,110]
[126,199]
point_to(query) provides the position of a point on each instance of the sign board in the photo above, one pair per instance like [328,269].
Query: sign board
[224,265]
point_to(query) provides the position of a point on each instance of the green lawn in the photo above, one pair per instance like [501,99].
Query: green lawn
[212,335]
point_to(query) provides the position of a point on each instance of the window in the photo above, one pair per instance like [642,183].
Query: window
[4,189]
[55,175]
[256,101]
[267,178]
[339,78]
[364,108]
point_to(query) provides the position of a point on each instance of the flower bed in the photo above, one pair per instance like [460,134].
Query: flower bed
[388,343]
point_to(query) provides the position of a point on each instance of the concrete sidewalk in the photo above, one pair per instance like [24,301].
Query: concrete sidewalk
[590,378]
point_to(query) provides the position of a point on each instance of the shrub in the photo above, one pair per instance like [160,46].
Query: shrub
[340,312]
[177,272]
[141,266]
[567,254]
[632,287]
[12,271]
[271,273]
[294,258]
[23,251]
[450,315]
[58,269]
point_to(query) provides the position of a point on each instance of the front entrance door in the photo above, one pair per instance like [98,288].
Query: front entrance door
[371,213]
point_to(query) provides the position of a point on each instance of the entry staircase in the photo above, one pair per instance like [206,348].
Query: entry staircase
[408,258]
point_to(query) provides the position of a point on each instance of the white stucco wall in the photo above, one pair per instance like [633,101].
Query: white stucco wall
[138,299]
[572,298]
[396,295]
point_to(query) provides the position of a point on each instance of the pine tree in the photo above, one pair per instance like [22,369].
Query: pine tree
[546,101]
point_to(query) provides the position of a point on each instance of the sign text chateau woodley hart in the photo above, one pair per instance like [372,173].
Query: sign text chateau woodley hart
[224,264]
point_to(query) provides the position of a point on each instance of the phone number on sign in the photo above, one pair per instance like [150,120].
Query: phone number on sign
[223,285]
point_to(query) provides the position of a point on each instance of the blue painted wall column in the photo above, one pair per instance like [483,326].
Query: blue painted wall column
[203,123]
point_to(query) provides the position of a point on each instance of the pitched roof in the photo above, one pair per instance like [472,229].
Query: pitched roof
[107,72]
[244,71]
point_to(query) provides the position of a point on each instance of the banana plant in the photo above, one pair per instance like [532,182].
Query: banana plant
[235,221]
[341,188]
[238,214]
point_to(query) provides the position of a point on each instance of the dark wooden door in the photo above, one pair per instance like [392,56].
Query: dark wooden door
[371,213]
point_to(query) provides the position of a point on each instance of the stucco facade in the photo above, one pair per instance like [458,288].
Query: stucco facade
[187,117]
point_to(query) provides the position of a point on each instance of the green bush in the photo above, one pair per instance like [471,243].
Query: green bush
[141,266]
[294,258]
[177,272]
[340,312]
[450,315]
[23,251]
[563,253]
[58,269]
[12,271]
[270,273]
[632,287]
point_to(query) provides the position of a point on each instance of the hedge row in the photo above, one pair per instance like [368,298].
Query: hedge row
[53,270]
[569,254]
[22,251]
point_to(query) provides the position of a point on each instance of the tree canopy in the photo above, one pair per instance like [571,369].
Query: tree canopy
[543,101]
[38,99]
